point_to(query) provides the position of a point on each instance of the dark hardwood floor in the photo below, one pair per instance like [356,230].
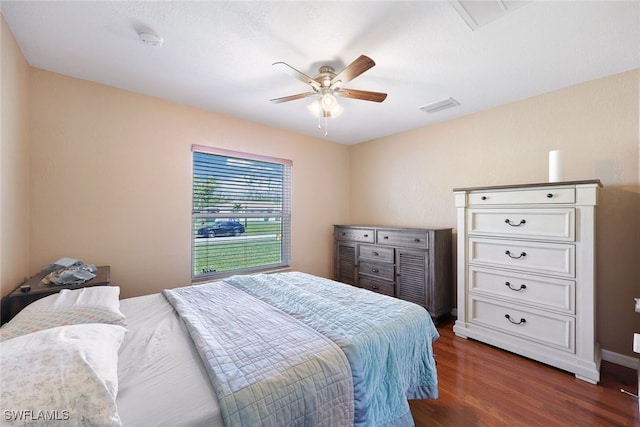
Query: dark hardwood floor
[482,385]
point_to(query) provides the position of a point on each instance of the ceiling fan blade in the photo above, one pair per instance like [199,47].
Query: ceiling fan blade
[362,94]
[286,68]
[292,97]
[353,70]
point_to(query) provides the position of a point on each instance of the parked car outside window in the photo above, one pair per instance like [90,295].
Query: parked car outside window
[222,228]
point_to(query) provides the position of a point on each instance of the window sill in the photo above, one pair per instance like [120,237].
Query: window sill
[223,276]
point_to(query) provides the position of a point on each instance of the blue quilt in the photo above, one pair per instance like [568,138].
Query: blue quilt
[387,341]
[267,368]
[243,328]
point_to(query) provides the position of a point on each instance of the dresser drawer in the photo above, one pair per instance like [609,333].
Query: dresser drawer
[405,238]
[365,235]
[377,286]
[550,329]
[523,196]
[381,270]
[544,292]
[376,253]
[547,224]
[538,257]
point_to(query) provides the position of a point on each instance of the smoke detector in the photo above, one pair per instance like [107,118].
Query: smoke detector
[150,39]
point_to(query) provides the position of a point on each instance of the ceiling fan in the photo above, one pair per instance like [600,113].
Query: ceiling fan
[327,85]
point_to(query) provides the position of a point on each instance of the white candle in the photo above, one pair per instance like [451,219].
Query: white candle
[555,166]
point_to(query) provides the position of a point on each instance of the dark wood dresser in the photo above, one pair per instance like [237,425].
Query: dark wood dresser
[413,264]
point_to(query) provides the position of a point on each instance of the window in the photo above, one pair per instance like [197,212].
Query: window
[241,213]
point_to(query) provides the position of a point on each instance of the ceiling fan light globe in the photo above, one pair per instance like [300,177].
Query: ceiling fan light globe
[329,101]
[336,110]
[318,109]
[315,108]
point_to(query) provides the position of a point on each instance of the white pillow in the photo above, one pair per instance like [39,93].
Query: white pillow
[96,304]
[61,376]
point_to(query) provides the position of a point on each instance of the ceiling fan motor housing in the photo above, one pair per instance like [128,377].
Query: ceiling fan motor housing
[326,75]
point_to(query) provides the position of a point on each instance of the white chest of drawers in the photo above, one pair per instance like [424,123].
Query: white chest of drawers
[526,272]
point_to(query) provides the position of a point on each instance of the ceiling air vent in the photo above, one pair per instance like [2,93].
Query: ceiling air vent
[440,105]
[478,13]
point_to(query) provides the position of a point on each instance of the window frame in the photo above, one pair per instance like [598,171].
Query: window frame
[284,214]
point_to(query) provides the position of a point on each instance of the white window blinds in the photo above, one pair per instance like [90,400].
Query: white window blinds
[241,213]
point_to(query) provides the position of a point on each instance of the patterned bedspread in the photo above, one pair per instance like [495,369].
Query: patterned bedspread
[387,341]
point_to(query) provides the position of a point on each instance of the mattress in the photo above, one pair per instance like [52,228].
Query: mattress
[162,381]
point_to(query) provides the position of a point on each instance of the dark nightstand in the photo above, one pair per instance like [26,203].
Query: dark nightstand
[18,299]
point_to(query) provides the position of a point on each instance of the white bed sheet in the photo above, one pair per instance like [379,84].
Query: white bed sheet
[162,380]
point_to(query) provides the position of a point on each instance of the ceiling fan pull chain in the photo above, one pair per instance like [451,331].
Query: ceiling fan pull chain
[326,125]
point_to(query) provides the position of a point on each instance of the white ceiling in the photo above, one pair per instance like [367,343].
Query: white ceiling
[217,55]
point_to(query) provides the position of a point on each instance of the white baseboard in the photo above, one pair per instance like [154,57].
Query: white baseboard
[620,359]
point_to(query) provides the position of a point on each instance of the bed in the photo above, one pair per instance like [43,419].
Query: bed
[273,350]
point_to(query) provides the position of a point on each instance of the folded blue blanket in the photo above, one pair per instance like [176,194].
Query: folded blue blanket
[266,368]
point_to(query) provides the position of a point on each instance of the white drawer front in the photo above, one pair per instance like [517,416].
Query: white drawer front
[556,294]
[546,328]
[523,196]
[547,224]
[544,258]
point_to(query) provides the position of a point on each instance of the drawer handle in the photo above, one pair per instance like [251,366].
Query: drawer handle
[522,254]
[483,197]
[549,195]
[386,237]
[521,322]
[522,287]
[375,270]
[366,235]
[375,253]
[522,222]
[376,287]
[416,240]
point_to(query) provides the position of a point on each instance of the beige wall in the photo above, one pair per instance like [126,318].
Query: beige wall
[596,124]
[104,175]
[111,181]
[14,162]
